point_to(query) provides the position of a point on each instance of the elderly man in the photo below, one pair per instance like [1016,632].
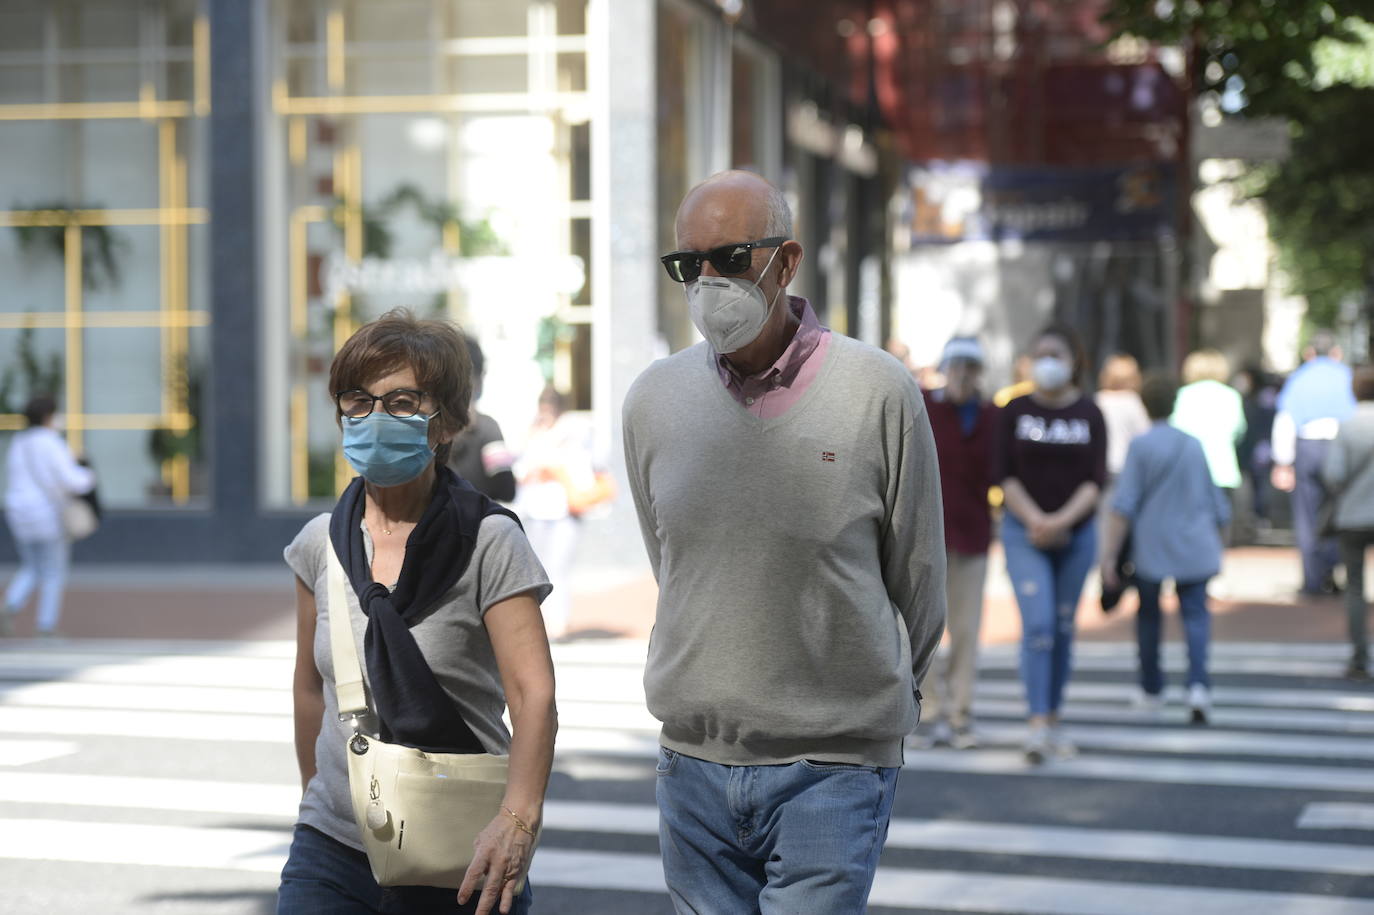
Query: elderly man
[788,493]
[1311,406]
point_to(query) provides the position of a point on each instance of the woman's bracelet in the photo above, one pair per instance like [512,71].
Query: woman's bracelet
[519,823]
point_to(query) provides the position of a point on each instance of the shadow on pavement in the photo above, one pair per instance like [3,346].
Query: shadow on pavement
[259,902]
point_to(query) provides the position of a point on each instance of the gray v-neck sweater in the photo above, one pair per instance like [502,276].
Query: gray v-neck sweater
[800,559]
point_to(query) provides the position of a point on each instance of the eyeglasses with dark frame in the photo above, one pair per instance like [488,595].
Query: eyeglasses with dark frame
[729,260]
[401,403]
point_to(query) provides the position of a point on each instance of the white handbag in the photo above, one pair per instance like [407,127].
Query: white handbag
[419,813]
[79,520]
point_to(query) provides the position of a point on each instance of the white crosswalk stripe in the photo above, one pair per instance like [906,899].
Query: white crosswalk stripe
[81,722]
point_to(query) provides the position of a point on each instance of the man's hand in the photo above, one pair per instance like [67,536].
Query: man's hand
[1283,477]
[502,857]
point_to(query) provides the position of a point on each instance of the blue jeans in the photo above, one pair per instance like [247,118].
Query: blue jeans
[42,564]
[323,876]
[1048,584]
[803,837]
[1197,631]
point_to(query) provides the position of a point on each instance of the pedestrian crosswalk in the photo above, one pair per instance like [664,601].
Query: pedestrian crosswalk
[174,759]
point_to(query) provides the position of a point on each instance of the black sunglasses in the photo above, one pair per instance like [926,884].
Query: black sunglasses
[729,260]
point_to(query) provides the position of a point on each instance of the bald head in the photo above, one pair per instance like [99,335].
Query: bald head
[742,205]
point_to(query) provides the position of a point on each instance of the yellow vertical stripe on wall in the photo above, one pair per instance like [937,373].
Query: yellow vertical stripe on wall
[74,350]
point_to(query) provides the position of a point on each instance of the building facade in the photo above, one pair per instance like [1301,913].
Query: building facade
[205,197]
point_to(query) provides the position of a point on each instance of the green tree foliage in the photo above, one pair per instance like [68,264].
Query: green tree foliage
[1310,62]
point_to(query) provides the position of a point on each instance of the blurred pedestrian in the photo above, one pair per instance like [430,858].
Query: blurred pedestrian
[1021,383]
[446,619]
[479,453]
[789,497]
[1166,499]
[901,352]
[1118,397]
[42,479]
[558,483]
[1052,463]
[1259,394]
[965,428]
[1348,473]
[1211,411]
[1312,404]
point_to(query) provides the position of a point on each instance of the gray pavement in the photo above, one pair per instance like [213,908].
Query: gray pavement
[148,766]
[1253,598]
[158,775]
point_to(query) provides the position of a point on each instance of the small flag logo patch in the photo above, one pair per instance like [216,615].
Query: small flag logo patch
[828,457]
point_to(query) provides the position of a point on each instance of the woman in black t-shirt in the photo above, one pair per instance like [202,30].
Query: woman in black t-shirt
[1052,464]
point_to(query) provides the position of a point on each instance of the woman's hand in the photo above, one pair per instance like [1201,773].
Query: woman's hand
[1048,532]
[502,858]
[1111,579]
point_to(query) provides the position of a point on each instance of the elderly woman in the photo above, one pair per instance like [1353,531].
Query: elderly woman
[447,622]
[1211,411]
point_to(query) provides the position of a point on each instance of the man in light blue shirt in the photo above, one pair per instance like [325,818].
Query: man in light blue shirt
[1312,404]
[1175,514]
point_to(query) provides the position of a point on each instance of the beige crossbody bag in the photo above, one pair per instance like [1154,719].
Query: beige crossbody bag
[419,813]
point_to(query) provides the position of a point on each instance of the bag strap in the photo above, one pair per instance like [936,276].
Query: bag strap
[348,673]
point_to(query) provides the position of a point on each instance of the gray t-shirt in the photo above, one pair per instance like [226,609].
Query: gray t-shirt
[452,637]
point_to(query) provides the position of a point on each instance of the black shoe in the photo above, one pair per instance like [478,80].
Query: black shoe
[1358,670]
[1111,597]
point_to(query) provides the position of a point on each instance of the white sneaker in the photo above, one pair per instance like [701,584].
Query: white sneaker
[964,738]
[941,735]
[1200,703]
[1151,704]
[1060,745]
[1037,744]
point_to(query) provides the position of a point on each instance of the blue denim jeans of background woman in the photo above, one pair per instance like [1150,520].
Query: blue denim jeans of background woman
[1048,584]
[42,564]
[803,837]
[325,877]
[1197,632]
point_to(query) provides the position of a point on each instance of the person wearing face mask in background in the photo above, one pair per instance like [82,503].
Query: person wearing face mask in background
[446,619]
[788,493]
[965,427]
[1052,463]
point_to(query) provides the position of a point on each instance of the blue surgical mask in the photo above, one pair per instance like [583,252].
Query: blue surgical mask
[387,450]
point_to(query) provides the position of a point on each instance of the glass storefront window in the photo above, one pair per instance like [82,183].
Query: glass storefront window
[429,154]
[102,109]
[678,39]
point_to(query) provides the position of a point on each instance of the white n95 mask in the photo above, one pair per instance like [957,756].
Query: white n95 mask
[729,311]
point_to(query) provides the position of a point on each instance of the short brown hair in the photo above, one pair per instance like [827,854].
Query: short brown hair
[433,349]
[1119,373]
[1362,382]
[40,409]
[1158,392]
